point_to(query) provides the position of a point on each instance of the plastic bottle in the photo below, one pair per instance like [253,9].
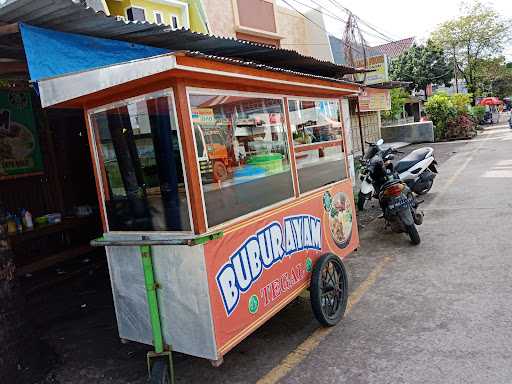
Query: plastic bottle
[11,224]
[28,223]
[19,226]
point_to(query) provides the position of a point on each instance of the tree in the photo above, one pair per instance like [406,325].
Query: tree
[398,98]
[422,65]
[478,34]
[440,109]
[494,78]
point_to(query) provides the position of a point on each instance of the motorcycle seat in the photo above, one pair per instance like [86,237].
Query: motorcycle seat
[412,158]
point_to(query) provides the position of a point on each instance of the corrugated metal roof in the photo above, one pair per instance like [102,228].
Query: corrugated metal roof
[390,84]
[251,64]
[76,17]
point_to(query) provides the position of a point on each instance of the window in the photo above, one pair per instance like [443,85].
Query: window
[136,14]
[159,17]
[243,153]
[256,14]
[175,22]
[141,164]
[317,139]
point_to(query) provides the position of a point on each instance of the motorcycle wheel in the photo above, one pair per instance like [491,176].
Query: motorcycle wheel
[426,189]
[413,234]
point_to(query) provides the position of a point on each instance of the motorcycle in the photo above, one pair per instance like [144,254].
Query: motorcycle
[398,204]
[418,170]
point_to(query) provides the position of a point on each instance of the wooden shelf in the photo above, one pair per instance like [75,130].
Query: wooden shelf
[54,259]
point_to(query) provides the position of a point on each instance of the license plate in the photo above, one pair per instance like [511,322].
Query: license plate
[399,203]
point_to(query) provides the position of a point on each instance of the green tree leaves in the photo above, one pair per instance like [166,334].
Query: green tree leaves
[479,34]
[422,65]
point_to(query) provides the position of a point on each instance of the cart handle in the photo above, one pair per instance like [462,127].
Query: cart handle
[102,242]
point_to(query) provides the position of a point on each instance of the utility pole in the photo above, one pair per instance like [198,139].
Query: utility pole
[455,73]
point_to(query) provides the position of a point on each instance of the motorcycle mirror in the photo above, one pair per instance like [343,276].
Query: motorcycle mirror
[380,142]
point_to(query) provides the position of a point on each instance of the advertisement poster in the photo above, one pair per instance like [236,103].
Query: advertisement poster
[20,153]
[375,100]
[257,268]
[379,65]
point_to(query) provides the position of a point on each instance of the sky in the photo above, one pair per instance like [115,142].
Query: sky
[397,19]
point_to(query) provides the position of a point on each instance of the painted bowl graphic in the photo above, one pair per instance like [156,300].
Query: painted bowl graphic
[338,210]
[19,146]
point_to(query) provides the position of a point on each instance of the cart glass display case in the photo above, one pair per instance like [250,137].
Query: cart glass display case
[318,142]
[242,150]
[142,166]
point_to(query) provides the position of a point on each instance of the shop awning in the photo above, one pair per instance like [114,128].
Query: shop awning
[50,53]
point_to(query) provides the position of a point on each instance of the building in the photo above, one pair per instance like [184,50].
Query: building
[395,48]
[178,14]
[265,22]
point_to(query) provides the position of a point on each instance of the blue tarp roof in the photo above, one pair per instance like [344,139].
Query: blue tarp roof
[50,53]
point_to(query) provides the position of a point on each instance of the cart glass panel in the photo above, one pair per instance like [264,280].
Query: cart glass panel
[318,141]
[243,153]
[138,147]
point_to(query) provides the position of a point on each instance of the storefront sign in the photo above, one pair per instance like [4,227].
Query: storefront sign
[256,269]
[372,99]
[19,145]
[203,116]
[379,65]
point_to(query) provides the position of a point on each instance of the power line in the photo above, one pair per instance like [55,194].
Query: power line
[330,15]
[324,11]
[311,21]
[348,11]
[304,16]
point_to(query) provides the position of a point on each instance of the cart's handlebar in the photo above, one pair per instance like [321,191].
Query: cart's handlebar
[145,240]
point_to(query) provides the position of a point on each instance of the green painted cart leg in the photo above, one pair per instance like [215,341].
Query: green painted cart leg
[160,365]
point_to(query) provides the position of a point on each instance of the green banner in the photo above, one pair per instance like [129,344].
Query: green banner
[20,153]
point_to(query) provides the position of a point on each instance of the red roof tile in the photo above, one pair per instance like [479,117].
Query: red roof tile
[395,48]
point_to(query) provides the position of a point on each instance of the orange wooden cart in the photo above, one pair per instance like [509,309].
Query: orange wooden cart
[220,255]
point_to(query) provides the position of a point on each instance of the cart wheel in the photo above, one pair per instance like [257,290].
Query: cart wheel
[329,289]
[160,373]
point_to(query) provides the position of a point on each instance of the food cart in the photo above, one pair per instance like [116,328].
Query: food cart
[197,260]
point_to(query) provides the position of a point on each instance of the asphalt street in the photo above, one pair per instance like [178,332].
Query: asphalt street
[440,312]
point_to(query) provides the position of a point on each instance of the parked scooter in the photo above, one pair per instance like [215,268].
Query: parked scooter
[417,169]
[396,199]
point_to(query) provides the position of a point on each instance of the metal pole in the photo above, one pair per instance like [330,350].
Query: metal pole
[455,74]
[360,125]
[151,286]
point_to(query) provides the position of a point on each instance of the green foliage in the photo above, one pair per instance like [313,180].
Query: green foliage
[398,98]
[460,126]
[494,78]
[478,112]
[452,115]
[475,36]
[422,65]
[440,109]
[461,102]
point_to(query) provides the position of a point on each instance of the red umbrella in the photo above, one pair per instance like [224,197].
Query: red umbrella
[490,101]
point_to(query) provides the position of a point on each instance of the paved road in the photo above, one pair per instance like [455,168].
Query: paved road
[440,312]
[437,313]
